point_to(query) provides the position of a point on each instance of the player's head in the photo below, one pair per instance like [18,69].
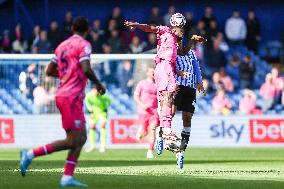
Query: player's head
[150,72]
[81,26]
[95,90]
[177,22]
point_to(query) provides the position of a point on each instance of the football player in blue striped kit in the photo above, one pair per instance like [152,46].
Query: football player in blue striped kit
[188,79]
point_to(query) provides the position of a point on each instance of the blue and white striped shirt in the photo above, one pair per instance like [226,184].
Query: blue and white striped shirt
[188,63]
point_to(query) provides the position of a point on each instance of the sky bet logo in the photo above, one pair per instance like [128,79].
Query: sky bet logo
[266,130]
[226,131]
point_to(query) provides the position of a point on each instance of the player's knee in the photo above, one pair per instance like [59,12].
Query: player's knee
[83,139]
[71,143]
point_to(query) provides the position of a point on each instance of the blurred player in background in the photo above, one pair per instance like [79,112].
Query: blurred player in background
[188,78]
[145,95]
[97,105]
[72,65]
[165,72]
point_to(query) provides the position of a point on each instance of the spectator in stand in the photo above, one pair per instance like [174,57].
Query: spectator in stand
[253,31]
[6,42]
[199,30]
[18,44]
[125,77]
[235,29]
[118,17]
[155,17]
[67,24]
[136,46]
[208,16]
[232,69]
[28,81]
[41,100]
[112,25]
[189,25]
[54,35]
[34,38]
[221,104]
[151,43]
[226,81]
[223,44]
[268,91]
[43,45]
[247,71]
[97,27]
[278,82]
[115,42]
[104,68]
[216,83]
[97,42]
[215,58]
[248,103]
[171,11]
[211,33]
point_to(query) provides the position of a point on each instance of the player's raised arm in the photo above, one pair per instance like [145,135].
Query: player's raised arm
[51,69]
[86,67]
[143,27]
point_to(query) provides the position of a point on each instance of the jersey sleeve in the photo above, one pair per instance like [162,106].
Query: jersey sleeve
[138,89]
[162,29]
[88,102]
[196,68]
[85,52]
[54,59]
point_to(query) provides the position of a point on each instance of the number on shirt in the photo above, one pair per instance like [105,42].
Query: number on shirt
[64,62]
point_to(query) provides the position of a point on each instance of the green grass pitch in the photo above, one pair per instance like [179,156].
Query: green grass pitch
[216,168]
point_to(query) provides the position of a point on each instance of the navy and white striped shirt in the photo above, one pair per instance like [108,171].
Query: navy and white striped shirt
[188,63]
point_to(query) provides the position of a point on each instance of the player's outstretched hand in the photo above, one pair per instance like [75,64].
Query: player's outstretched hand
[198,38]
[101,89]
[201,89]
[132,25]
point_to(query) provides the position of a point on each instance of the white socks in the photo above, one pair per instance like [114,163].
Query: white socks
[167,130]
[187,129]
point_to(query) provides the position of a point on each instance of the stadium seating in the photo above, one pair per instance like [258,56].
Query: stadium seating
[12,101]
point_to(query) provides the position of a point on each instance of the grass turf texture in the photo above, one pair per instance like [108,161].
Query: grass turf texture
[204,168]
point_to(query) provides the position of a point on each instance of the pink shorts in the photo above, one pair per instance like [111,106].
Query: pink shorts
[148,119]
[165,76]
[72,113]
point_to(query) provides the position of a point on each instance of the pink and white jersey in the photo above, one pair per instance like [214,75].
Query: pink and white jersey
[147,92]
[167,44]
[68,56]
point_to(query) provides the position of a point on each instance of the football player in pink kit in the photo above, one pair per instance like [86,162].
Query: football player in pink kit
[72,65]
[145,96]
[165,71]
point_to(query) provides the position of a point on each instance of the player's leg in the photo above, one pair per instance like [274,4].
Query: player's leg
[92,135]
[185,100]
[103,122]
[151,140]
[185,134]
[67,179]
[28,155]
[77,125]
[160,142]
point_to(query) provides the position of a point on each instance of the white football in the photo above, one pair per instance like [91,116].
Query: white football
[178,20]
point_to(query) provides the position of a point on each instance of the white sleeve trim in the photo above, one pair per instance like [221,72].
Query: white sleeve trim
[84,58]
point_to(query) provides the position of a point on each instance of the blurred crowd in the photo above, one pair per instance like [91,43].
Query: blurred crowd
[221,76]
[113,37]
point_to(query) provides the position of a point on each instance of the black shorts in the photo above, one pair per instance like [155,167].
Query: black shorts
[185,99]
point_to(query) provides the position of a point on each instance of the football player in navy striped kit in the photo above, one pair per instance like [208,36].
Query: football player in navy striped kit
[188,79]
